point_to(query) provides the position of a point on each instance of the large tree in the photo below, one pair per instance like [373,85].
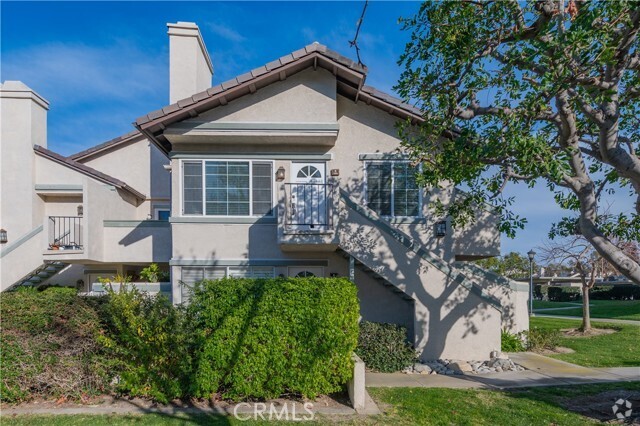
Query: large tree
[530,92]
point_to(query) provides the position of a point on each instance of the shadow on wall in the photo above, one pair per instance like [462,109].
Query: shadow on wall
[161,240]
[446,301]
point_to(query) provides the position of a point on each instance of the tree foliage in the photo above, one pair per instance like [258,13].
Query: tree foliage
[527,93]
[512,265]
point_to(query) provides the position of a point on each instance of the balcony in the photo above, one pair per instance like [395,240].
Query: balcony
[65,233]
[307,217]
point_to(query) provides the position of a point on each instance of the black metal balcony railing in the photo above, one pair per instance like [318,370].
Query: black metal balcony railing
[65,232]
[308,205]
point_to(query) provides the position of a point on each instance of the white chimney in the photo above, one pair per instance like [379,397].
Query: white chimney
[190,68]
[23,124]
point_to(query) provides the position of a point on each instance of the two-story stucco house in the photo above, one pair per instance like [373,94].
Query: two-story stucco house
[291,169]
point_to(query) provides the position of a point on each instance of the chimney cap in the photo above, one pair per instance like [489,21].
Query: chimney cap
[18,90]
[190,29]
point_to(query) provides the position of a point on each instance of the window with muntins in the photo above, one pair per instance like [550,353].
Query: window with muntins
[227,188]
[392,189]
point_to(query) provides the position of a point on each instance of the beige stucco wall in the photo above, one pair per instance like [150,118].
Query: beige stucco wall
[448,320]
[137,242]
[363,130]
[308,96]
[23,124]
[190,68]
[140,164]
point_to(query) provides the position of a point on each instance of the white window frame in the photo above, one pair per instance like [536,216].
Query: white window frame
[366,188]
[204,188]
[228,269]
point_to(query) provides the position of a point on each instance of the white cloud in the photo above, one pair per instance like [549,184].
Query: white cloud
[226,32]
[95,92]
[69,74]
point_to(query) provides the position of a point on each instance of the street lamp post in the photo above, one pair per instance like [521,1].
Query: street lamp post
[531,255]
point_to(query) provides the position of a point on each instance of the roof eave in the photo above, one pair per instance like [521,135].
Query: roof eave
[87,171]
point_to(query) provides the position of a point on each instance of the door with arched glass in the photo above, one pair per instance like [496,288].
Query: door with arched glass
[308,196]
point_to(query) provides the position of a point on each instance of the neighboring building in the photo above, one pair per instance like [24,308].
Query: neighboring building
[292,169]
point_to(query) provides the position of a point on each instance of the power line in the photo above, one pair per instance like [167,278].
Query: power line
[354,42]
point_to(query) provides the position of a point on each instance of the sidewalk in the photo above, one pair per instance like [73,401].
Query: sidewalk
[609,320]
[541,371]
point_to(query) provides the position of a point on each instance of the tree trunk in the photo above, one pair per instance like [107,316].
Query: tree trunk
[588,228]
[586,314]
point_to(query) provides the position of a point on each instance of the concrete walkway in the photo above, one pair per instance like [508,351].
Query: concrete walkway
[541,371]
[610,320]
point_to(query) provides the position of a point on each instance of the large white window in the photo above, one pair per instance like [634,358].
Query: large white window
[392,190]
[227,188]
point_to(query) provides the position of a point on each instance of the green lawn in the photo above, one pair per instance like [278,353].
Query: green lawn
[617,309]
[533,406]
[544,304]
[612,350]
[405,406]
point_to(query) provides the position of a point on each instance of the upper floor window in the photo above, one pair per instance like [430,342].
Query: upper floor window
[227,188]
[392,189]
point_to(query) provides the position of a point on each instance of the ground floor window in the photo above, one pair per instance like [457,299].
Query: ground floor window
[192,275]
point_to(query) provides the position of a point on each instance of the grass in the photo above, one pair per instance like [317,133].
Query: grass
[533,406]
[402,406]
[617,309]
[545,304]
[619,349]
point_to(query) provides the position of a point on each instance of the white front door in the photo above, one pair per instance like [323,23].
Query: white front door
[308,196]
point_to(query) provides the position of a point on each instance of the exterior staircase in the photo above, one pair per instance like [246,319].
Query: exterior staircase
[456,310]
[40,274]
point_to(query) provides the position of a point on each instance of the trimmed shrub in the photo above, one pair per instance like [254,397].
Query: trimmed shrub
[564,294]
[268,337]
[541,292]
[615,292]
[384,347]
[148,340]
[511,342]
[49,346]
[539,339]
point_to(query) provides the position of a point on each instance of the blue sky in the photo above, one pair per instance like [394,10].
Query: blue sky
[103,64]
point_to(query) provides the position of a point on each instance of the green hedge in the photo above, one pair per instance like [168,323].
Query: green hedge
[49,346]
[599,292]
[615,292]
[266,338]
[564,294]
[149,342]
[239,338]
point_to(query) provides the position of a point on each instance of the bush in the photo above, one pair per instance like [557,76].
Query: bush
[268,337]
[511,342]
[49,346]
[541,292]
[564,294]
[384,347]
[148,340]
[539,339]
[153,274]
[615,292]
